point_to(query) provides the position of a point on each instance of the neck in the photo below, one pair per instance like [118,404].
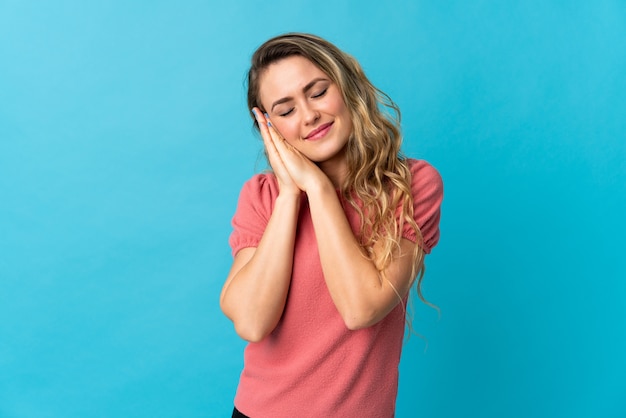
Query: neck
[336,171]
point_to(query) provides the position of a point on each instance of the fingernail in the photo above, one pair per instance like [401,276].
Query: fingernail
[269,123]
[254,111]
[266,115]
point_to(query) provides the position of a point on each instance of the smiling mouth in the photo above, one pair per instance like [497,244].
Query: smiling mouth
[319,132]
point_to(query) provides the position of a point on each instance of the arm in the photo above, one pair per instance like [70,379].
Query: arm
[355,284]
[255,291]
[362,307]
[256,288]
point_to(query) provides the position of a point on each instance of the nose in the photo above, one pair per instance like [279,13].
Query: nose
[310,115]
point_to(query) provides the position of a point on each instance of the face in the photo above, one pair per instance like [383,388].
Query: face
[307,108]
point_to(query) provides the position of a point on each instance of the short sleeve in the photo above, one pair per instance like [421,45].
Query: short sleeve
[427,190]
[256,201]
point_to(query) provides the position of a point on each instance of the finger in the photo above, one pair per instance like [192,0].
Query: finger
[278,140]
[264,126]
[259,116]
[274,134]
[268,141]
[283,148]
[272,139]
[261,122]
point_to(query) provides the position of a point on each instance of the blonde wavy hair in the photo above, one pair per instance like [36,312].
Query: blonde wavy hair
[378,184]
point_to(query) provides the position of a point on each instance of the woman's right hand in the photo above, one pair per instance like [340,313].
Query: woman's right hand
[286,183]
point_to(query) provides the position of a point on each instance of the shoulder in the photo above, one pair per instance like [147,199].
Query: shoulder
[427,191]
[263,185]
[256,201]
[425,178]
[258,194]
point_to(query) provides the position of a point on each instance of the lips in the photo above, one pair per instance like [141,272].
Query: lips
[319,132]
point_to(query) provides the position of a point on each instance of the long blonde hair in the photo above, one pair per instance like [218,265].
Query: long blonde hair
[378,183]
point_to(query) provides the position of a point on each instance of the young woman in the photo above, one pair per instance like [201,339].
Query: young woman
[328,244]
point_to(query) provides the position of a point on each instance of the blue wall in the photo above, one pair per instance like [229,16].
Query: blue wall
[124,140]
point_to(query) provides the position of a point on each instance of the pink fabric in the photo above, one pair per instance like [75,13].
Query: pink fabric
[311,365]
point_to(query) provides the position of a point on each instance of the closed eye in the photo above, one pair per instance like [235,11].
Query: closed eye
[314,96]
[320,94]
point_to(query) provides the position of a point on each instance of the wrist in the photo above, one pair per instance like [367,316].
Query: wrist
[288,198]
[321,186]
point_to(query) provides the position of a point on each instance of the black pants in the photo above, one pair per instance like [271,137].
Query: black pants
[237,414]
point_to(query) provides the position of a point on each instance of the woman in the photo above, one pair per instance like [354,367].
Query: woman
[327,245]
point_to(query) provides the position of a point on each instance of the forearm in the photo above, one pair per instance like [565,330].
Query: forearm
[256,290]
[353,280]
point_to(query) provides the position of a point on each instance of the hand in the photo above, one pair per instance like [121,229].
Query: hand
[301,170]
[270,136]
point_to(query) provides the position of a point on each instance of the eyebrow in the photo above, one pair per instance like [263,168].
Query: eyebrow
[304,90]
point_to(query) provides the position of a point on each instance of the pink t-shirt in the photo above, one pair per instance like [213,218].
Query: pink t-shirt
[311,365]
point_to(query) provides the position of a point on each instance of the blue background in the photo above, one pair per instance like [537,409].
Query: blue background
[125,138]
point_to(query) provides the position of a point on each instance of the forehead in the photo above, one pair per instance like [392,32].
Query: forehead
[287,77]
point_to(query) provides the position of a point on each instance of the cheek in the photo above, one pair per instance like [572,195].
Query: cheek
[341,110]
[287,130]
[337,106]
